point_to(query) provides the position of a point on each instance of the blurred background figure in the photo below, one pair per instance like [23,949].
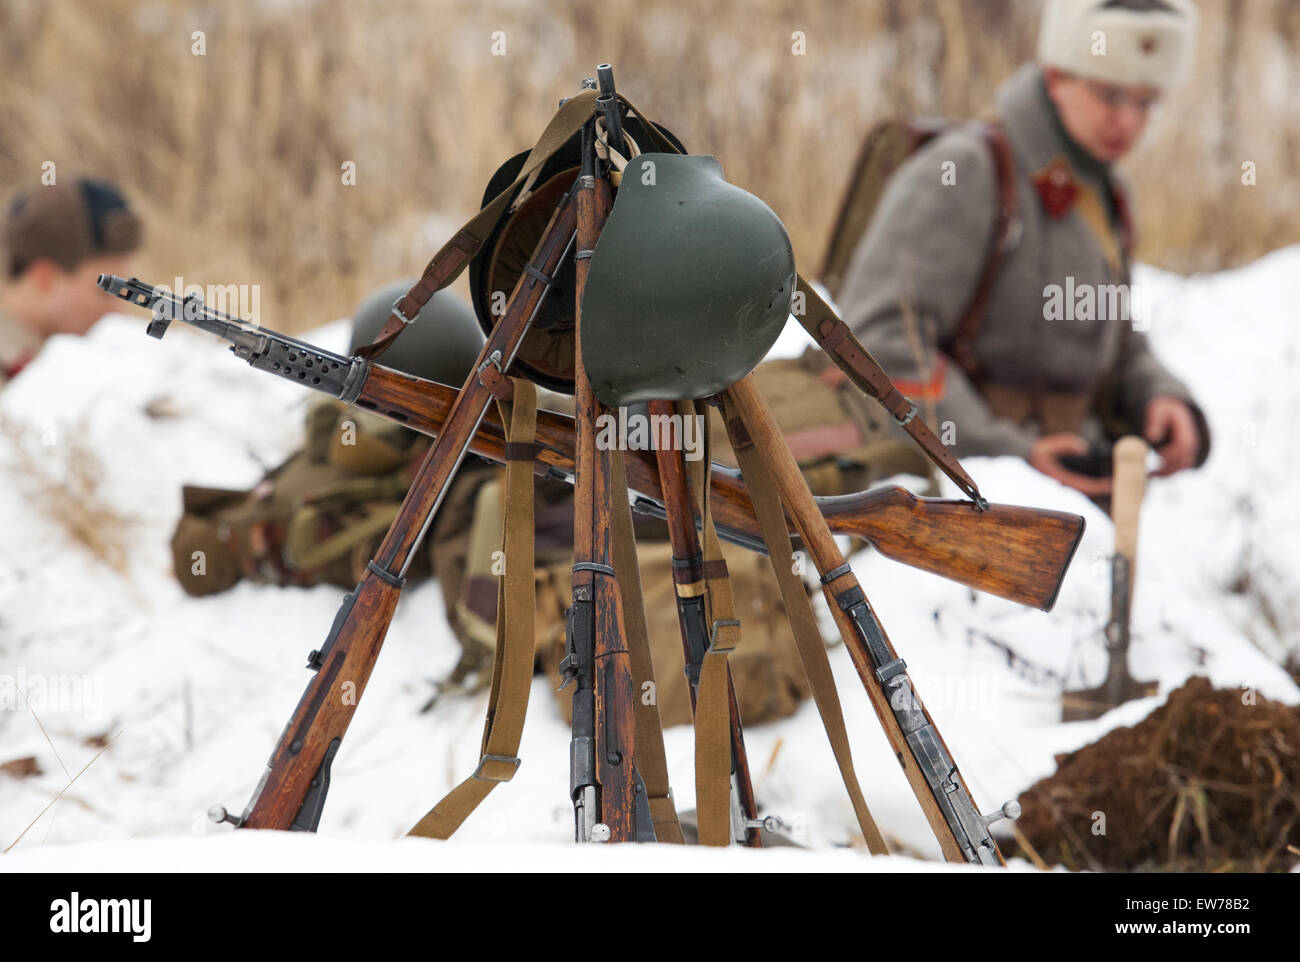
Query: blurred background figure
[57,240]
[1035,350]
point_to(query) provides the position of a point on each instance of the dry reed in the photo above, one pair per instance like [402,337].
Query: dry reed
[235,156]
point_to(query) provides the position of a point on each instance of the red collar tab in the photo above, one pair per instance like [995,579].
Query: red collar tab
[1056,188]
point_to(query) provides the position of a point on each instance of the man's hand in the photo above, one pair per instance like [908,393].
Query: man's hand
[1047,450]
[1168,417]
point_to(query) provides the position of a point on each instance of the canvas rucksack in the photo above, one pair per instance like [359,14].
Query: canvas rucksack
[887,146]
[317,517]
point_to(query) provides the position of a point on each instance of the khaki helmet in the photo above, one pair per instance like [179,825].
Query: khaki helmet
[690,284]
[442,344]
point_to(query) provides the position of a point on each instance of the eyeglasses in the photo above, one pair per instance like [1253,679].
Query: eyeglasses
[1116,97]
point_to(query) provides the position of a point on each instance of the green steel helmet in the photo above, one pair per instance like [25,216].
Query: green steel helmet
[690,284]
[546,353]
[442,344]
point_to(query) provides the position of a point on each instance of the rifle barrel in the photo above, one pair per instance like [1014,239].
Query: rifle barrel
[279,354]
[607,102]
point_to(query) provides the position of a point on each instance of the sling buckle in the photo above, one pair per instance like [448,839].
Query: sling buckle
[397,311]
[713,633]
[500,774]
[906,419]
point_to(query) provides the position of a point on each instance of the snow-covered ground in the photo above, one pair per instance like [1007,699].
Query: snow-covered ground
[191,693]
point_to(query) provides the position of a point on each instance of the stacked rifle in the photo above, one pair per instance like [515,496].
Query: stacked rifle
[581,184]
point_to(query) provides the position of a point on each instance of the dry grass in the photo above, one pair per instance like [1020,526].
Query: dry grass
[235,156]
[63,482]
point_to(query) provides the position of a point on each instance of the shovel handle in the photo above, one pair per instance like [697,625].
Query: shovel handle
[1130,481]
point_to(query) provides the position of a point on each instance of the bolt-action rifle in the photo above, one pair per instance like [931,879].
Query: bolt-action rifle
[1014,552]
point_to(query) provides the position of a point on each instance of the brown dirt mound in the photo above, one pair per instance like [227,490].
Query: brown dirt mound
[1210,781]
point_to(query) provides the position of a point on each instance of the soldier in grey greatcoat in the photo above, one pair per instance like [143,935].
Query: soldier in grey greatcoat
[1058,363]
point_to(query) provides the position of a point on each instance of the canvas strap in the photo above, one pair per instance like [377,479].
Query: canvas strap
[512,664]
[803,624]
[713,693]
[651,760]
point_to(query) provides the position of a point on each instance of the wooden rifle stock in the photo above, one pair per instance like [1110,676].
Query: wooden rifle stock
[1010,551]
[606,738]
[317,726]
[1014,552]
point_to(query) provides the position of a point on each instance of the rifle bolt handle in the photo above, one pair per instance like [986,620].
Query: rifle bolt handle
[218,814]
[1010,809]
[600,832]
[772,824]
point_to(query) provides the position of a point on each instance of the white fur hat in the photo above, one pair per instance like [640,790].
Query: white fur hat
[1126,42]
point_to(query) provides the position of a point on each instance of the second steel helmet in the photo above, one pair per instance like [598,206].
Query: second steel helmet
[690,284]
[442,344]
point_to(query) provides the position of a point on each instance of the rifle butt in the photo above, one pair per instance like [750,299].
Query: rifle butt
[1017,553]
[326,707]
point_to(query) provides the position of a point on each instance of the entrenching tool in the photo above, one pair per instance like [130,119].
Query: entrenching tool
[1130,481]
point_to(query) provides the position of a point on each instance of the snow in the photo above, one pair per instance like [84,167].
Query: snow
[192,693]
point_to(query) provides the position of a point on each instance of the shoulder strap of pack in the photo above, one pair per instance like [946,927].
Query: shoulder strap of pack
[1004,236]
[887,145]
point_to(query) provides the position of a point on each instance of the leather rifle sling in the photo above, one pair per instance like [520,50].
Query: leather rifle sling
[651,759]
[454,256]
[833,336]
[512,662]
[962,345]
[713,701]
[448,263]
[803,624]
